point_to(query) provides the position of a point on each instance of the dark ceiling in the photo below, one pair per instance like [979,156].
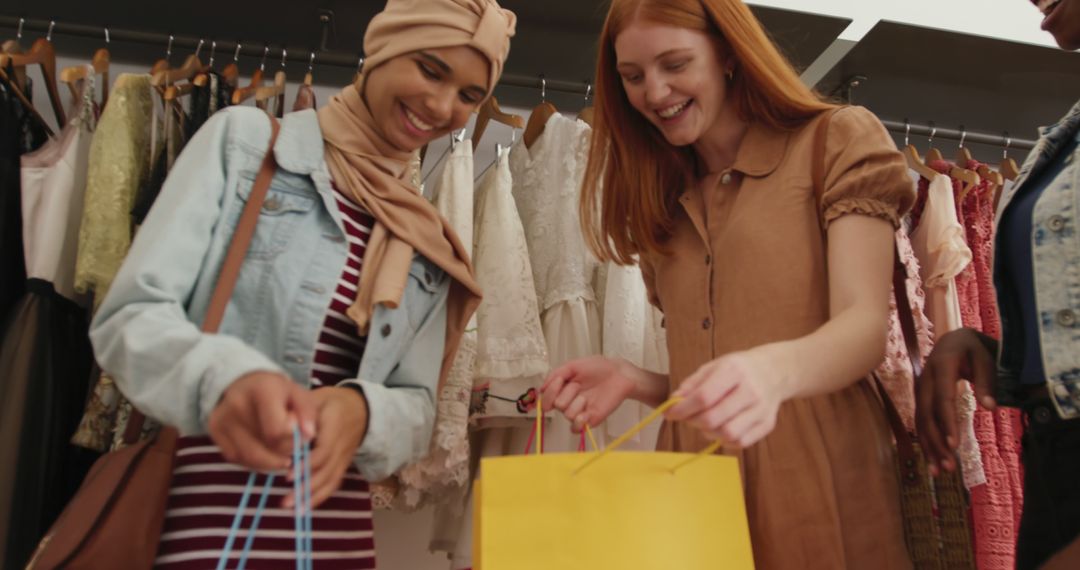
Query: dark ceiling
[556,38]
[985,84]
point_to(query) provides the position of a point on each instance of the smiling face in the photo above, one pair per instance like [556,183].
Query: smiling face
[1062,20]
[419,97]
[674,77]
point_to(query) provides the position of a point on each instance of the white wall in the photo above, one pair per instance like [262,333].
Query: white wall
[1014,20]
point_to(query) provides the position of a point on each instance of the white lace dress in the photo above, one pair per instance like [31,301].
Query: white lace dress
[446,468]
[547,185]
[632,330]
[511,358]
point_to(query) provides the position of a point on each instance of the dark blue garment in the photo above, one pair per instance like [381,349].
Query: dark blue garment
[1014,236]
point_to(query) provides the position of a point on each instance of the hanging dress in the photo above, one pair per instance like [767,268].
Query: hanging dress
[46,353]
[547,187]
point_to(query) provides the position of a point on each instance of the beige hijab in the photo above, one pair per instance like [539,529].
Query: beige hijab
[369,170]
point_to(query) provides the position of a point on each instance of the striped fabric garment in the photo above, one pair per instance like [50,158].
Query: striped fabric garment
[206,490]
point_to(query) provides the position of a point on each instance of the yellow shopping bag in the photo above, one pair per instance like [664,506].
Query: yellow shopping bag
[617,511]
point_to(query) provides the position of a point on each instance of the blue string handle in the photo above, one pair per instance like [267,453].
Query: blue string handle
[301,510]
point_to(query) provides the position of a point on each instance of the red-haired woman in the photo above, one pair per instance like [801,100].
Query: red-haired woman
[701,167]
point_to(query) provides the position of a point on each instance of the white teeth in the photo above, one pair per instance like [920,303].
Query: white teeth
[672,110]
[1047,6]
[417,122]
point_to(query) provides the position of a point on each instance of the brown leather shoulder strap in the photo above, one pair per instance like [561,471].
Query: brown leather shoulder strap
[234,258]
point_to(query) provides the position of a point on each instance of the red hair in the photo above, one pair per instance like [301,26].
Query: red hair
[634,176]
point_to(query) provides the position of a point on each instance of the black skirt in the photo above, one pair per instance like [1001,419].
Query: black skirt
[45,362]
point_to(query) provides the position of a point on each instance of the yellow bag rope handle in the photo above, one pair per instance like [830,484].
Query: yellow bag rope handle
[640,426]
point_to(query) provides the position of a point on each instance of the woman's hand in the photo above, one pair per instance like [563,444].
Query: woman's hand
[734,398]
[960,354]
[588,390]
[342,425]
[254,420]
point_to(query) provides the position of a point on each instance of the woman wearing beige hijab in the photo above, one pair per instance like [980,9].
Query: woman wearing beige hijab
[353,284]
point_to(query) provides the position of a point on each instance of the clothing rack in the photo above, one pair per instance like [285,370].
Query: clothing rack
[934,132]
[352,61]
[250,49]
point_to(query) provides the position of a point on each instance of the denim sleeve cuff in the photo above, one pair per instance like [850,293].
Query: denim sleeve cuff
[222,372]
[397,424]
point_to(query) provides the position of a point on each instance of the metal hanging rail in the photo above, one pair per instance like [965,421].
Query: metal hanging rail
[351,61]
[931,131]
[251,49]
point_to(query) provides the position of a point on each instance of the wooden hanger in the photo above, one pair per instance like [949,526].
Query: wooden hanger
[932,153]
[963,155]
[275,91]
[271,91]
[539,117]
[490,111]
[231,73]
[1008,167]
[25,102]
[588,114]
[309,78]
[15,47]
[192,66]
[163,64]
[244,93]
[174,92]
[995,177]
[100,64]
[203,76]
[969,180]
[911,155]
[44,54]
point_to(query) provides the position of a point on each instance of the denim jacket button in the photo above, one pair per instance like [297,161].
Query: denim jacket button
[272,205]
[1066,318]
[1056,223]
[386,330]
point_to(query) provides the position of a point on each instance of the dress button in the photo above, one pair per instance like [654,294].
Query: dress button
[297,359]
[706,324]
[317,289]
[272,205]
[726,178]
[386,330]
[1042,415]
[1056,223]
[1066,318]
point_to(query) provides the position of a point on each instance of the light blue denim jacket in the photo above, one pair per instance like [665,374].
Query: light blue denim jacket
[1056,254]
[147,331]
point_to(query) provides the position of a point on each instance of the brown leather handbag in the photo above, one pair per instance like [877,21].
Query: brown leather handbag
[115,519]
[935,510]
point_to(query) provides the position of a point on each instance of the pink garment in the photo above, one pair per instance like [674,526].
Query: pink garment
[1007,422]
[895,372]
[995,506]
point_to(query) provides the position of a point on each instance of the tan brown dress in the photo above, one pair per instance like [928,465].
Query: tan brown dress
[746,267]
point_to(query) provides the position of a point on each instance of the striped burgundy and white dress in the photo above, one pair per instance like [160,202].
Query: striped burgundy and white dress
[206,490]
